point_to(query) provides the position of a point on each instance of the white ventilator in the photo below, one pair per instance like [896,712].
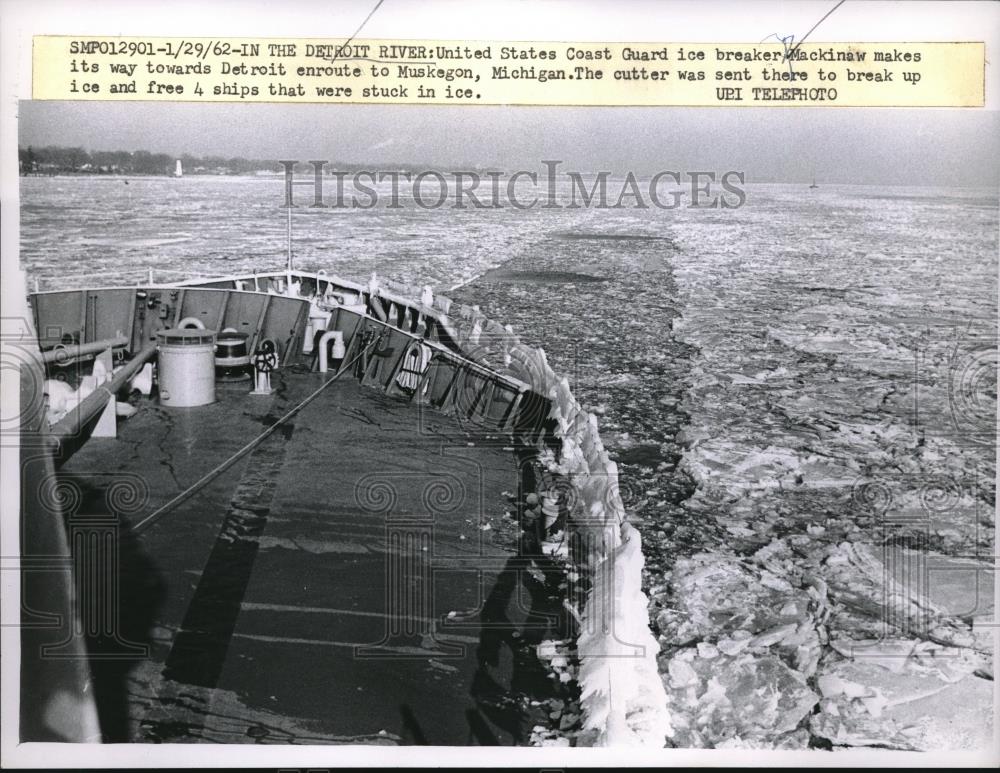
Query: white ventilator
[339,350]
[143,380]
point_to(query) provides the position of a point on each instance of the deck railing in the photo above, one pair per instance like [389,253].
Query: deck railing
[479,370]
[622,695]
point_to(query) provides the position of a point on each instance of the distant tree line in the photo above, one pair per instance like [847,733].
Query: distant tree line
[53,159]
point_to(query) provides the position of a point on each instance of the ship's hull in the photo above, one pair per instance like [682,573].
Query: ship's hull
[333,579]
[463,571]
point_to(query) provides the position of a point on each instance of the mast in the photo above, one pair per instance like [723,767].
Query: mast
[288,268]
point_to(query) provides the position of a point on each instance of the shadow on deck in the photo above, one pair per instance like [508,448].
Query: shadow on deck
[354,578]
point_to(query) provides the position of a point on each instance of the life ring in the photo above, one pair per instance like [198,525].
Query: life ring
[189,322]
[415,363]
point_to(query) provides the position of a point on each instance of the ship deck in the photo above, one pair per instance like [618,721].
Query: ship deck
[353,578]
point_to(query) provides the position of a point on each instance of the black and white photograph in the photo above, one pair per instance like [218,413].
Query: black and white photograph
[654,431]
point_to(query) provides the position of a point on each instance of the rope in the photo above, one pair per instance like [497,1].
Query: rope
[214,473]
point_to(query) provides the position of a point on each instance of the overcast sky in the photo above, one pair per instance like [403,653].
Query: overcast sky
[839,145]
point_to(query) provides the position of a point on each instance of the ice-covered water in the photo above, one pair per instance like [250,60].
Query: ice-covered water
[227,224]
[800,385]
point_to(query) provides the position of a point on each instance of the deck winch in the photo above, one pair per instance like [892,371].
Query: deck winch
[186,367]
[232,360]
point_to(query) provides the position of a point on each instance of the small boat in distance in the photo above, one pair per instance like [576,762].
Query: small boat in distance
[814,185]
[179,169]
